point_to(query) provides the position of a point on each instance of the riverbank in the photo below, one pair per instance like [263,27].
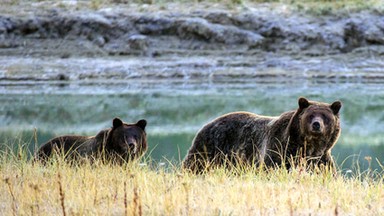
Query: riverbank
[193,40]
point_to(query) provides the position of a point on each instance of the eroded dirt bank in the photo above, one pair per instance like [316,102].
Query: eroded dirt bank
[121,43]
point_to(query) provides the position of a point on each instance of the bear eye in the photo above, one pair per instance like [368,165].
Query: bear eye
[325,118]
[311,116]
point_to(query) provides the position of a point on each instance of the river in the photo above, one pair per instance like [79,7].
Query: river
[176,108]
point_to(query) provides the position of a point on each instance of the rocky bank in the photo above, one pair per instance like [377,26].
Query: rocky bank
[197,43]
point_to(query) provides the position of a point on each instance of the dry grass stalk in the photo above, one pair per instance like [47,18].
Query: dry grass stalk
[62,195]
[14,203]
[125,199]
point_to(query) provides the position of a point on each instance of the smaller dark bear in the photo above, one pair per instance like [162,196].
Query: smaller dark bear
[307,133]
[122,142]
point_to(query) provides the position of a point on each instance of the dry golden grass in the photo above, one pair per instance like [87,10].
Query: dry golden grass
[137,189]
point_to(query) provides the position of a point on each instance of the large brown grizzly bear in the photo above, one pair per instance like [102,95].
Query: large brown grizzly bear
[309,132]
[122,142]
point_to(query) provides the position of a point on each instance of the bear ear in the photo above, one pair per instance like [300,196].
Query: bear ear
[303,103]
[335,107]
[117,122]
[141,124]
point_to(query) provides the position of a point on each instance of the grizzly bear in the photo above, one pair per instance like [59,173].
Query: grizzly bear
[122,142]
[308,133]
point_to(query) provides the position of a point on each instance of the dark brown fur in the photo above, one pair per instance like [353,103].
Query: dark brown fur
[122,142]
[309,132]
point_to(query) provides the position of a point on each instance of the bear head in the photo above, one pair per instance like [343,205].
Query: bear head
[319,125]
[127,141]
[318,119]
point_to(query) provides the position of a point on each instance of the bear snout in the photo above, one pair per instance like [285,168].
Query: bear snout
[316,126]
[131,145]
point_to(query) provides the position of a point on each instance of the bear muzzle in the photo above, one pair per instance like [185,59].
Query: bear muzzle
[317,126]
[129,146]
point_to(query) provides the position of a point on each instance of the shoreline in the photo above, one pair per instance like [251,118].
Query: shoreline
[261,42]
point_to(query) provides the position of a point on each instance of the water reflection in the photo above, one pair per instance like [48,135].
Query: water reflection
[176,109]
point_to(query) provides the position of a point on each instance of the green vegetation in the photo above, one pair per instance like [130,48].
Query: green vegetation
[147,188]
[326,7]
[318,7]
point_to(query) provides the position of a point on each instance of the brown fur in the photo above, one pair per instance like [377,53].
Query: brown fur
[241,137]
[122,142]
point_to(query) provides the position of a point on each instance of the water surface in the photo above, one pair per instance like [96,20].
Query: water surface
[177,108]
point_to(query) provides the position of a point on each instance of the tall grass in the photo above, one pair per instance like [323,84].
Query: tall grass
[144,188]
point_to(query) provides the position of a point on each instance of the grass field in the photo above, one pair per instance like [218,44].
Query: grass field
[158,189]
